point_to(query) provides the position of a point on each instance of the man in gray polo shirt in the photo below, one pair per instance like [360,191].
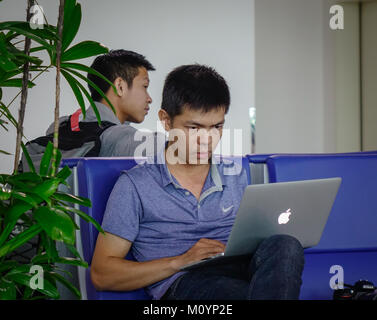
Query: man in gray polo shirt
[180,208]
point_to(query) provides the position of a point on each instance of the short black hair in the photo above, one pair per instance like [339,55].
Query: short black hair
[116,63]
[196,86]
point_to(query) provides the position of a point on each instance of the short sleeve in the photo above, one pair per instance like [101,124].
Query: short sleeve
[123,210]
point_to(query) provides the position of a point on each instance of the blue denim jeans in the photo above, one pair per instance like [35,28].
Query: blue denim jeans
[273,272]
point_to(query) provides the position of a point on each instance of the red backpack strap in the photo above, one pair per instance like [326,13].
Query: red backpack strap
[75,119]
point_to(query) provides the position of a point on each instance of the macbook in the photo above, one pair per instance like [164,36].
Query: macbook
[297,208]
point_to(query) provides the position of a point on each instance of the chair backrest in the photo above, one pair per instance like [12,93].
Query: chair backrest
[70,162]
[262,157]
[258,162]
[352,224]
[97,177]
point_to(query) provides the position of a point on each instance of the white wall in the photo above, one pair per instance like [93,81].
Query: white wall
[219,33]
[369,75]
[307,77]
[347,82]
[289,64]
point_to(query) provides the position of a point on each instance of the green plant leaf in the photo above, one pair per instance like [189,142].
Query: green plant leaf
[17,209]
[91,101]
[19,240]
[2,124]
[72,83]
[19,57]
[84,49]
[42,36]
[12,214]
[66,283]
[6,265]
[50,254]
[48,32]
[94,86]
[7,63]
[72,261]
[4,195]
[32,200]
[25,268]
[46,159]
[26,177]
[32,34]
[64,173]
[84,68]
[22,58]
[71,23]
[44,258]
[91,83]
[28,159]
[47,188]
[40,68]
[36,49]
[11,35]
[6,232]
[84,216]
[7,289]
[72,199]
[16,82]
[58,268]
[73,250]
[69,215]
[24,279]
[28,292]
[56,223]
[9,74]
[8,115]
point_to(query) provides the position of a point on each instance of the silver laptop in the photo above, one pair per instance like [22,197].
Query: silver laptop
[297,208]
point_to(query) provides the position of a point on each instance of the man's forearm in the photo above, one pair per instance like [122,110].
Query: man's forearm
[124,275]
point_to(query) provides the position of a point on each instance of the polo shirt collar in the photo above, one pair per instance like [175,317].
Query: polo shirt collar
[167,178]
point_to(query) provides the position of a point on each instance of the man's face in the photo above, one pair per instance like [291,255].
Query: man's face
[135,102]
[200,131]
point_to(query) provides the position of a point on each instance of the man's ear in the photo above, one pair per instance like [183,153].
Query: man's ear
[121,86]
[165,120]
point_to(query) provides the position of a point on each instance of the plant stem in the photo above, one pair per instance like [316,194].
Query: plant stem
[57,90]
[25,79]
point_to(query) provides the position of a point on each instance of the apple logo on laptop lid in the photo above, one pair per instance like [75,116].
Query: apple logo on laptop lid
[284,216]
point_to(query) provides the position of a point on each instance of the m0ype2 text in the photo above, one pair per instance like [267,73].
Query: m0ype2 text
[189,309]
